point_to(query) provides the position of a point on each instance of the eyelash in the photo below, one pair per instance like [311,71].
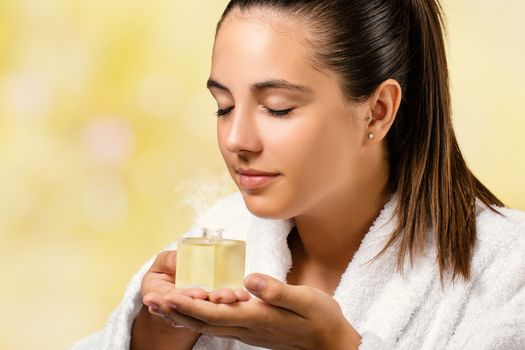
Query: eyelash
[223,112]
[271,112]
[278,113]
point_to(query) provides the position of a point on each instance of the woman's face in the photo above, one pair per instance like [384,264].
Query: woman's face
[280,115]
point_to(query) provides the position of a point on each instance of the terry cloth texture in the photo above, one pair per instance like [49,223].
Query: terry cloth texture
[389,310]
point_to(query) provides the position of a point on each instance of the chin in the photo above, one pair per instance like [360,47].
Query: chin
[264,207]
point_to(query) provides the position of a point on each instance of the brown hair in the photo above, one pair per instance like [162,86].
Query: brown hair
[367,42]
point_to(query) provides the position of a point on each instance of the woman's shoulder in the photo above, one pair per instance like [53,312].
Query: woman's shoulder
[500,248]
[500,225]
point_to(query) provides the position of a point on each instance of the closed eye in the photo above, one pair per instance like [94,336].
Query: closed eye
[272,112]
[278,113]
[223,112]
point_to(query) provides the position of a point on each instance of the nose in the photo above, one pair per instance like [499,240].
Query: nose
[240,133]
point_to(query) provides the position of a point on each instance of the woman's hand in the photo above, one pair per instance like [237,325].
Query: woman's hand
[150,330]
[282,317]
[159,282]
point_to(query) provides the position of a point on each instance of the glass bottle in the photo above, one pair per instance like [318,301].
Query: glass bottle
[210,261]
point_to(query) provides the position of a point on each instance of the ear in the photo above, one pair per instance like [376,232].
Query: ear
[384,104]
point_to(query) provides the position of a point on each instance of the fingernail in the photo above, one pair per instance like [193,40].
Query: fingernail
[155,311]
[256,284]
[176,325]
[151,305]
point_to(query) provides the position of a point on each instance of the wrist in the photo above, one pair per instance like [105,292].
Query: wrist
[152,332]
[348,338]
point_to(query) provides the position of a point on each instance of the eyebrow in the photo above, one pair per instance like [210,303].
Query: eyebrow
[263,85]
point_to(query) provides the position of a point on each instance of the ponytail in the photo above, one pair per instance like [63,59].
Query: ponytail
[434,185]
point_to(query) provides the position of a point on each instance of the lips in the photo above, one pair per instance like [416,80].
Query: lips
[252,178]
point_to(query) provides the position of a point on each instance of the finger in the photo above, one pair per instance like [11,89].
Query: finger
[228,296]
[298,299]
[161,273]
[242,295]
[165,263]
[223,295]
[155,283]
[211,313]
[176,319]
[153,300]
[179,320]
[158,297]
[155,311]
[195,293]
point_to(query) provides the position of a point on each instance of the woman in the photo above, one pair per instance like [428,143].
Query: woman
[364,226]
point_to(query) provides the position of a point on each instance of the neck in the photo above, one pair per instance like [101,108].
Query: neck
[330,234]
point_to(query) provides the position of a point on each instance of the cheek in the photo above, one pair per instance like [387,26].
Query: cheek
[222,133]
[227,156]
[309,152]
[319,146]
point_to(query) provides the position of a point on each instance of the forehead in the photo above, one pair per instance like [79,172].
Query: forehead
[274,19]
[263,40]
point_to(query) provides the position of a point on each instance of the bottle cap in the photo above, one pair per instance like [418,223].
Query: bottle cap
[212,233]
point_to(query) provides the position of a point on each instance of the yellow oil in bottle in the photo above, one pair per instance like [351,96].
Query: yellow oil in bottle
[210,262]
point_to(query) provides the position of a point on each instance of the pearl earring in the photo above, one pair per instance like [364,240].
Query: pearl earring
[370,135]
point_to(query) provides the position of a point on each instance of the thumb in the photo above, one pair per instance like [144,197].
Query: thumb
[162,271]
[294,298]
[159,281]
[165,263]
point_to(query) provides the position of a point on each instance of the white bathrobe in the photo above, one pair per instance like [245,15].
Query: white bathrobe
[389,310]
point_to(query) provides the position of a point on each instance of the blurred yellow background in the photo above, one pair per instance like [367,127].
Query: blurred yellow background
[107,142]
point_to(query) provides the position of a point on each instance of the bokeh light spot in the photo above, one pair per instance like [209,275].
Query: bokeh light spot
[109,139]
